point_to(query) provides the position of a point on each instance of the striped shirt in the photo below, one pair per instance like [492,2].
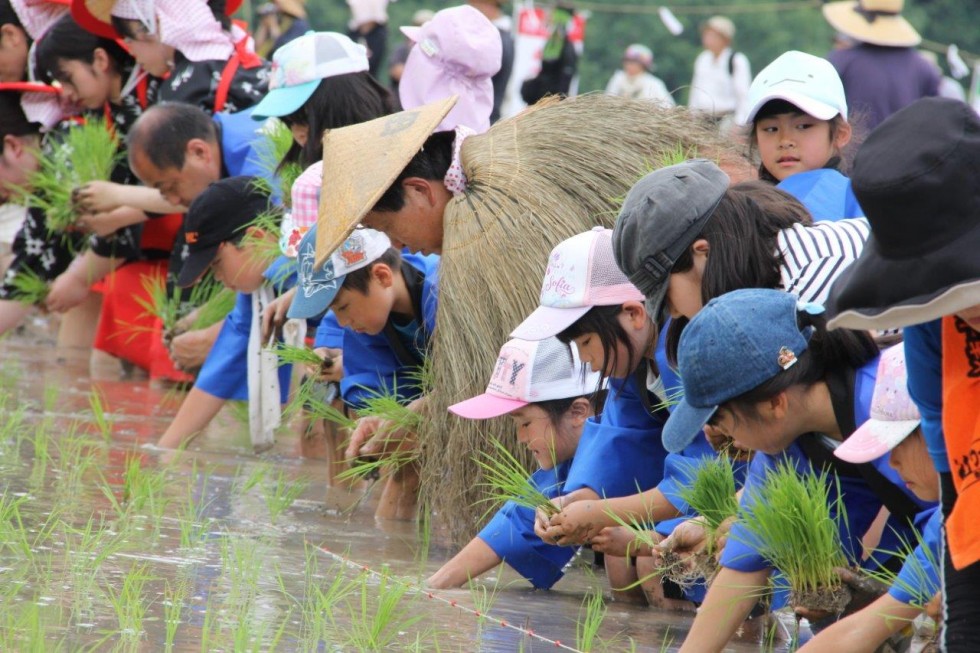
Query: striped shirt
[813,256]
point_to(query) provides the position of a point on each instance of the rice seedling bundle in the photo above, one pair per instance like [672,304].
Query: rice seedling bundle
[214,305]
[272,152]
[505,478]
[794,524]
[29,287]
[88,152]
[551,172]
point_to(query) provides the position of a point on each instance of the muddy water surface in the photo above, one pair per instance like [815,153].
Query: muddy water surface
[107,543]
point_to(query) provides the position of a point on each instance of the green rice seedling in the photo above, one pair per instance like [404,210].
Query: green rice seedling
[29,287]
[277,143]
[323,591]
[88,152]
[173,606]
[281,494]
[100,417]
[211,626]
[42,457]
[241,563]
[393,410]
[484,597]
[308,398]
[590,618]
[916,570]
[255,478]
[214,308]
[794,525]
[87,548]
[262,247]
[170,307]
[13,533]
[377,620]
[289,355]
[129,603]
[506,479]
[143,488]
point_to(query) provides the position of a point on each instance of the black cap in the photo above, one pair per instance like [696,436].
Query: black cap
[220,214]
[661,217]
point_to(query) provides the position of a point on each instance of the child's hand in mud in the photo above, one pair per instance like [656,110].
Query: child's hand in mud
[688,538]
[577,523]
[619,541]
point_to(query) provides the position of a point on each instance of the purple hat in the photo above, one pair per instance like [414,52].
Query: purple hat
[455,53]
[894,416]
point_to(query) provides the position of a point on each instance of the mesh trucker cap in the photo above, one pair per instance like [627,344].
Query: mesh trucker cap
[581,273]
[527,372]
[319,285]
[893,413]
[298,67]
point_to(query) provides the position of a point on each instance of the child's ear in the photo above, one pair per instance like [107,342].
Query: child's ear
[636,313]
[100,60]
[579,411]
[777,406]
[255,232]
[383,274]
[843,134]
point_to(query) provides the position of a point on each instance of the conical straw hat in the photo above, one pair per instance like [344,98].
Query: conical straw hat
[362,161]
[878,22]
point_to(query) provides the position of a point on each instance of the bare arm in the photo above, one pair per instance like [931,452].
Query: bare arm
[475,559]
[72,287]
[581,521]
[729,601]
[193,416]
[103,196]
[865,630]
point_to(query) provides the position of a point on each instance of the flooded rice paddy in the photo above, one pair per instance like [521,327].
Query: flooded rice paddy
[107,543]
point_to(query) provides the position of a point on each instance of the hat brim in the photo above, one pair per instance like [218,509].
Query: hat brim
[29,87]
[655,303]
[95,16]
[195,265]
[284,100]
[486,406]
[548,321]
[818,110]
[293,8]
[362,161]
[876,292]
[411,32]
[890,31]
[684,424]
[874,439]
[305,307]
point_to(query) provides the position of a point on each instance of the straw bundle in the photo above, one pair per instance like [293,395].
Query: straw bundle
[553,171]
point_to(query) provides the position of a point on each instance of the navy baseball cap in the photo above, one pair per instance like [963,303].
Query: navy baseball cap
[734,344]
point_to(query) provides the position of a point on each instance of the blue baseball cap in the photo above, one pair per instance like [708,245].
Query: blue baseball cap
[318,286]
[298,67]
[734,344]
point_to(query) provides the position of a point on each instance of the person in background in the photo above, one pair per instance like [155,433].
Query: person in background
[635,81]
[396,63]
[948,87]
[720,85]
[492,9]
[882,72]
[291,21]
[559,58]
[369,27]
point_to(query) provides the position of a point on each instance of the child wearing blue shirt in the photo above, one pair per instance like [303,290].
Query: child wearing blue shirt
[540,385]
[777,382]
[382,312]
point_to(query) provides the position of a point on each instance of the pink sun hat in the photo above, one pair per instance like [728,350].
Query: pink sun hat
[528,372]
[894,416]
[582,273]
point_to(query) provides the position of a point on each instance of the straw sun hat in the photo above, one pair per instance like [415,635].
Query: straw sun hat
[95,16]
[362,161]
[878,22]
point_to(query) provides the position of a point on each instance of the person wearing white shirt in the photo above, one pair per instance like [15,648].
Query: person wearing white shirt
[722,77]
[635,81]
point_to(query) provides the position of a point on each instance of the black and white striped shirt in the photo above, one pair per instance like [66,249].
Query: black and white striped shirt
[813,256]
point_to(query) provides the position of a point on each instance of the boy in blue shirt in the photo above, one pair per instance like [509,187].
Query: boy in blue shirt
[383,307]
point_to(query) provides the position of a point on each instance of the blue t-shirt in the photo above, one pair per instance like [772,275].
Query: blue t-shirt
[242,143]
[370,364]
[826,193]
[924,362]
[860,502]
[918,580]
[510,533]
[620,452]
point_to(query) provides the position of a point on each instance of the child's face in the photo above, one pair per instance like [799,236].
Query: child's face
[363,312]
[971,316]
[13,53]
[638,329]
[912,462]
[17,162]
[684,288]
[537,432]
[89,85]
[633,68]
[766,431]
[239,268]
[152,55]
[790,143]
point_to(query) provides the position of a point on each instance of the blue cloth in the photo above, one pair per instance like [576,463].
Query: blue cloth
[620,452]
[370,364]
[242,142]
[924,362]
[826,193]
[860,502]
[329,333]
[918,580]
[510,533]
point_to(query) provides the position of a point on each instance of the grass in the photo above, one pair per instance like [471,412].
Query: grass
[173,606]
[590,618]
[29,287]
[88,152]
[794,525]
[506,479]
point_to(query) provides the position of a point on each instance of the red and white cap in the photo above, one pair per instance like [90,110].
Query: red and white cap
[528,372]
[582,273]
[893,413]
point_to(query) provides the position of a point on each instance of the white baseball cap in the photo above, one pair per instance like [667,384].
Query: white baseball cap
[808,82]
[529,372]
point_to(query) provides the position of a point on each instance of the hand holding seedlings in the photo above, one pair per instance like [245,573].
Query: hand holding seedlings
[542,522]
[96,197]
[332,367]
[274,315]
[865,590]
[189,350]
[621,541]
[577,523]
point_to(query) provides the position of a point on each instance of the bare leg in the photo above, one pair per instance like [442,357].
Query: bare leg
[193,416]
[78,325]
[399,499]
[12,314]
[622,580]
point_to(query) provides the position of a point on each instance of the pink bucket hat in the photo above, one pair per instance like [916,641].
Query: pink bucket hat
[893,413]
[582,273]
[528,372]
[455,53]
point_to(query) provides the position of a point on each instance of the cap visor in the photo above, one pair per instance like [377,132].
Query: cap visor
[547,321]
[195,266]
[807,105]
[306,306]
[684,424]
[284,101]
[411,32]
[655,305]
[874,439]
[486,406]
